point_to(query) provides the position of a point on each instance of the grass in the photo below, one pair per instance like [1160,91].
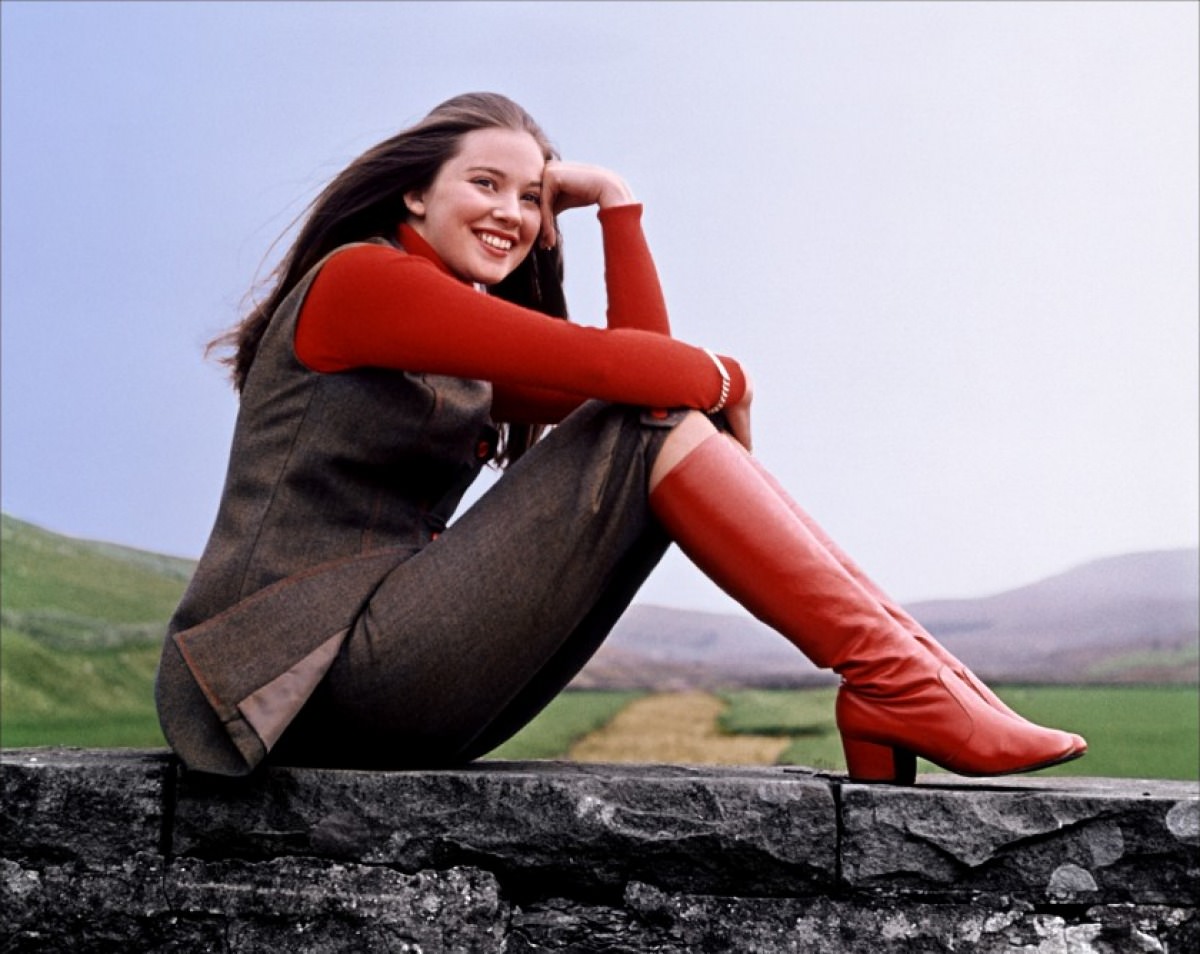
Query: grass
[1184,659]
[568,718]
[44,572]
[81,625]
[113,731]
[99,698]
[805,715]
[1132,731]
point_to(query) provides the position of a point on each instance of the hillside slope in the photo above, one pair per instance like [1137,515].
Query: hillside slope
[81,624]
[81,594]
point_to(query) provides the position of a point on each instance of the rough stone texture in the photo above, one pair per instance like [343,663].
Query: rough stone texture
[120,851]
[1077,841]
[672,924]
[288,904]
[538,827]
[86,806]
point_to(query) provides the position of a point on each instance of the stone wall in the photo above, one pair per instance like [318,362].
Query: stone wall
[120,851]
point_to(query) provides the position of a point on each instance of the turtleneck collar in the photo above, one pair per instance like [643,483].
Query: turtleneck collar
[412,242]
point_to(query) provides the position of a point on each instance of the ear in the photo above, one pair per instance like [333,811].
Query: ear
[415,203]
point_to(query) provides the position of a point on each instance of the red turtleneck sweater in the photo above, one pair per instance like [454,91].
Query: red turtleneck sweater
[375,306]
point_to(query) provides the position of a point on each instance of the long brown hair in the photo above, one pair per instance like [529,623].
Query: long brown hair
[366,200]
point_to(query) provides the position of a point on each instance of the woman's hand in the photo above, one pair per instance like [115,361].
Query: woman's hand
[573,185]
[737,416]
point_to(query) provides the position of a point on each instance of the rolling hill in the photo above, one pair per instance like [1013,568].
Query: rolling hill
[80,628]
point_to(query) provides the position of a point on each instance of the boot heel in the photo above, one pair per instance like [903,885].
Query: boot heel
[871,762]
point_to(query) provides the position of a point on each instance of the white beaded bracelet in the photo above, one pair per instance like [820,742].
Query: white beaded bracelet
[720,405]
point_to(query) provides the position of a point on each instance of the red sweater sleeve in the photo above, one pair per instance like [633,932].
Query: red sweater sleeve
[373,306]
[635,298]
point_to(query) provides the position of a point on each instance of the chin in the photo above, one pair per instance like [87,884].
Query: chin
[489,274]
[492,276]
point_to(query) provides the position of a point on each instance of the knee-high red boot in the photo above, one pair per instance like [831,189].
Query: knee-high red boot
[896,700]
[891,607]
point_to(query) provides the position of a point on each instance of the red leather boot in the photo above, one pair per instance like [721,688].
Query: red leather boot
[891,607]
[897,700]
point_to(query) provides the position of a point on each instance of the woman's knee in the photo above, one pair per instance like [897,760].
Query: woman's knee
[685,437]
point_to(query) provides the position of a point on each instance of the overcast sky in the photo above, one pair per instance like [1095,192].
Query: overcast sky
[955,244]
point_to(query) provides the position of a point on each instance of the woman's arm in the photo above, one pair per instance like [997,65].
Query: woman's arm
[373,306]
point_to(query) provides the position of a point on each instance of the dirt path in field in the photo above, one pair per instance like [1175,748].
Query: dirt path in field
[675,727]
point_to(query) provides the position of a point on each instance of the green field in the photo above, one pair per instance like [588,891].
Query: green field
[1132,731]
[81,623]
[101,698]
[567,719]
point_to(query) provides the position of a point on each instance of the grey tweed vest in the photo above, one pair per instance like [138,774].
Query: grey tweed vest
[333,480]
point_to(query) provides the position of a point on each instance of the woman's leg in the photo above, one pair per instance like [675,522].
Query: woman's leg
[897,697]
[578,647]
[692,432]
[466,641]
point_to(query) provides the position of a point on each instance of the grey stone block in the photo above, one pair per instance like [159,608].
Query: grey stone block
[290,904]
[1059,841]
[62,805]
[285,905]
[654,922]
[541,825]
[119,851]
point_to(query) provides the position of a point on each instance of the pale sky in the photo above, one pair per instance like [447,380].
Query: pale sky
[954,244]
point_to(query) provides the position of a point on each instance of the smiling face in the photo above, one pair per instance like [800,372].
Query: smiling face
[482,212]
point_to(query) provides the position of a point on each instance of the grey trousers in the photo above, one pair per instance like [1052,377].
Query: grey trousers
[466,641]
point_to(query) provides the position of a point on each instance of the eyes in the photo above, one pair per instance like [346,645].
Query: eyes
[489,184]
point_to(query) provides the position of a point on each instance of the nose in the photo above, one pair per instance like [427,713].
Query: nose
[507,209]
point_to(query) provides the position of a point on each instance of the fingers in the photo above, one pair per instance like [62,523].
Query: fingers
[549,237]
[569,185]
[740,432]
[549,233]
[737,416]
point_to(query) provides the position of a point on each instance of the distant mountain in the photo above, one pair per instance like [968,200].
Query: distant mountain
[1134,617]
[1131,618]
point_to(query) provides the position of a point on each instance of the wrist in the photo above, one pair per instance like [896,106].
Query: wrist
[615,192]
[723,397]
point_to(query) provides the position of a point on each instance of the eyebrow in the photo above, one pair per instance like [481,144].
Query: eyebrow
[500,174]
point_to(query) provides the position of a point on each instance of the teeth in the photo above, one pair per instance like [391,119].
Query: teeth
[503,244]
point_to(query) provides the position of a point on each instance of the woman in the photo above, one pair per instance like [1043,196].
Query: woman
[411,336]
